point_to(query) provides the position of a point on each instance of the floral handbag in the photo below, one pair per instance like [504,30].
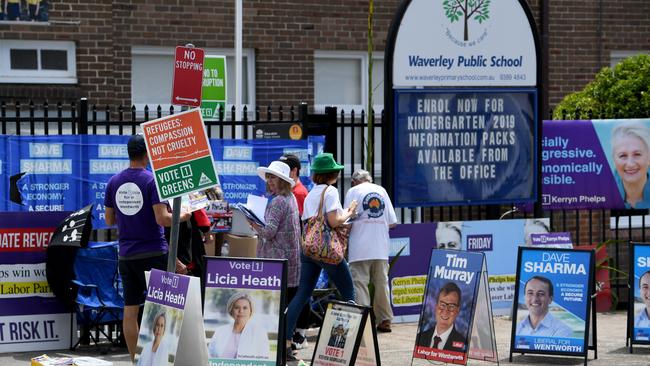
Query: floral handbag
[321,242]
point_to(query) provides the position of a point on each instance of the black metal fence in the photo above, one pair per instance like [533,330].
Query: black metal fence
[347,136]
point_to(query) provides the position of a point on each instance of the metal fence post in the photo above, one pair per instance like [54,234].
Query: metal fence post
[83,116]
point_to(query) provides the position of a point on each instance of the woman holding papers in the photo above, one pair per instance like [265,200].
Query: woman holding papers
[280,236]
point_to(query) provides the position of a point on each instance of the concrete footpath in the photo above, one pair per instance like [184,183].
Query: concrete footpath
[396,348]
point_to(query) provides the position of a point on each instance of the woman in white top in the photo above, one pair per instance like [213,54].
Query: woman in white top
[244,339]
[325,172]
[156,352]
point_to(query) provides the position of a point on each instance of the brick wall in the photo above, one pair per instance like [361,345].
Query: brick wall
[285,33]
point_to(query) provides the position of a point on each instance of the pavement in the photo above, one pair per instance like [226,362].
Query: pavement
[396,348]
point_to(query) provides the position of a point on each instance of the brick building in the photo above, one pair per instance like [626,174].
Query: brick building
[120,52]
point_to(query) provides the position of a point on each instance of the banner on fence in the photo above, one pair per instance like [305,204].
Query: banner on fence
[237,162]
[65,173]
[246,295]
[497,239]
[593,164]
[552,301]
[31,318]
[460,146]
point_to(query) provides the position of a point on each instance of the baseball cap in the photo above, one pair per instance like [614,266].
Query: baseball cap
[136,146]
[291,160]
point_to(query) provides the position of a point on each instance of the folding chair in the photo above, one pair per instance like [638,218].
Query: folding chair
[99,304]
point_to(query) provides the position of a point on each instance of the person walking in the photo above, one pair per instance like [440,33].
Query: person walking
[369,245]
[325,172]
[299,340]
[133,204]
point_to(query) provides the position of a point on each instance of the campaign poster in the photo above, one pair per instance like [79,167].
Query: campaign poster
[162,318]
[237,161]
[640,287]
[552,301]
[447,313]
[497,239]
[243,310]
[368,353]
[596,164]
[44,173]
[408,275]
[458,146]
[103,156]
[31,318]
[338,335]
[552,240]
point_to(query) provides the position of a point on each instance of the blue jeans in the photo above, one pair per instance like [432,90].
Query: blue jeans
[309,272]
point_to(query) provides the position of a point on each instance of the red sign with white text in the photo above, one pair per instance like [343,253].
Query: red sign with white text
[188,76]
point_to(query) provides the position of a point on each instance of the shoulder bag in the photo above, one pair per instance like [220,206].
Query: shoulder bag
[321,242]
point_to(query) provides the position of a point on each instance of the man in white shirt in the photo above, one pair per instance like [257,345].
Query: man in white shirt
[369,245]
[642,319]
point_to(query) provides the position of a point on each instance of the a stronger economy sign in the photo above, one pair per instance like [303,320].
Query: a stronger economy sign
[180,154]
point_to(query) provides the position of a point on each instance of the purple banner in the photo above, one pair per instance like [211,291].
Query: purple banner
[167,288]
[244,273]
[596,164]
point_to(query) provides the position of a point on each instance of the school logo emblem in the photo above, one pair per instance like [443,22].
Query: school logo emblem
[467,10]
[373,204]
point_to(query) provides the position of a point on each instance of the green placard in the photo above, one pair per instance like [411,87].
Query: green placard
[213,92]
[186,177]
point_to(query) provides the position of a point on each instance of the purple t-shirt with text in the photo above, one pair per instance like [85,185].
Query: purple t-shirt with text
[132,194]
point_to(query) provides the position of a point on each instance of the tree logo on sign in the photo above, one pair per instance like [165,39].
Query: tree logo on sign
[456,10]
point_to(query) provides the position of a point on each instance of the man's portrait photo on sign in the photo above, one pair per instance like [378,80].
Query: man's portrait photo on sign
[443,332]
[537,298]
[642,302]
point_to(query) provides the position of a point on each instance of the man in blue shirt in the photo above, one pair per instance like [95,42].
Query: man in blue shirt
[642,319]
[539,322]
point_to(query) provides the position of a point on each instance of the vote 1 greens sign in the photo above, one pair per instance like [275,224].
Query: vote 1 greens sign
[180,154]
[213,90]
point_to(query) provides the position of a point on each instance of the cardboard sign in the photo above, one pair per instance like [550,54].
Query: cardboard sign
[449,306]
[188,76]
[551,311]
[171,331]
[638,315]
[244,299]
[180,154]
[214,92]
[347,337]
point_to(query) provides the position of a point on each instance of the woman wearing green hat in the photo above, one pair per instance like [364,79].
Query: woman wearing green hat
[325,172]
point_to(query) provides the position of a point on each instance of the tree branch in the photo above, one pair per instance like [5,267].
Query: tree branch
[476,8]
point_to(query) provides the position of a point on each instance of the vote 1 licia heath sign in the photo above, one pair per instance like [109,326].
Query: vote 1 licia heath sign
[188,76]
[180,154]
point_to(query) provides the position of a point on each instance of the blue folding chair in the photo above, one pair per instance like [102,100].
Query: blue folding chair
[99,302]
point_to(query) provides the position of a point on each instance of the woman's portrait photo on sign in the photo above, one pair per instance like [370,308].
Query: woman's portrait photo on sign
[241,324]
[159,333]
[448,235]
[631,156]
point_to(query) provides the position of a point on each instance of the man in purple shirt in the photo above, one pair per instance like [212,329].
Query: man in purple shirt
[133,204]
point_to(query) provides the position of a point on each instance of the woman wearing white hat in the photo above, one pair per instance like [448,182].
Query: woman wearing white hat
[280,237]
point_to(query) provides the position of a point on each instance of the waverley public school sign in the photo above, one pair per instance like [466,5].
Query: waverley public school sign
[461,95]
